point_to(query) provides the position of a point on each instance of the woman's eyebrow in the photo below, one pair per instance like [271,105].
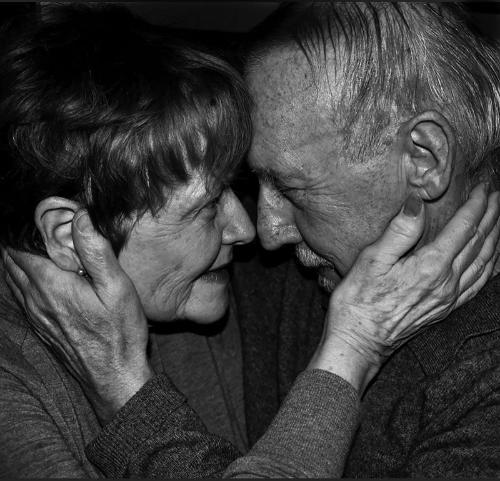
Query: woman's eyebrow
[201,201]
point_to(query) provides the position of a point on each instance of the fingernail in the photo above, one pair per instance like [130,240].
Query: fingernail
[82,222]
[413,205]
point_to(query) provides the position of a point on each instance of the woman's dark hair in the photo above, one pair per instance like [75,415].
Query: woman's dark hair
[100,107]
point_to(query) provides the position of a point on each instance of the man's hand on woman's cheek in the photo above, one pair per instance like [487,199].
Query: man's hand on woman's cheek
[389,295]
[94,322]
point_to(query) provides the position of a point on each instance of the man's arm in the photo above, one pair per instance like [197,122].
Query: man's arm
[157,434]
[31,444]
[311,435]
[362,322]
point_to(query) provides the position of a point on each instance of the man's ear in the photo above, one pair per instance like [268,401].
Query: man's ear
[429,151]
[53,217]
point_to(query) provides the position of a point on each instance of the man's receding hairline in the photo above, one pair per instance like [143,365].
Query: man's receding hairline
[391,61]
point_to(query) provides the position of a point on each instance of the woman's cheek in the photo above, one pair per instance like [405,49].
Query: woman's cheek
[164,296]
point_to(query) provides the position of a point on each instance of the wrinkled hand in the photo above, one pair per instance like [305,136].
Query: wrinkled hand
[387,297]
[94,324]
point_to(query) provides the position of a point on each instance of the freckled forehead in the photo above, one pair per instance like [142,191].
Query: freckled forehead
[282,86]
[291,109]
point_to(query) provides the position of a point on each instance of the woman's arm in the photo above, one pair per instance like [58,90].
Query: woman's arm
[363,327]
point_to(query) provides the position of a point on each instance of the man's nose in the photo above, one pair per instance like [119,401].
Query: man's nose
[239,228]
[275,222]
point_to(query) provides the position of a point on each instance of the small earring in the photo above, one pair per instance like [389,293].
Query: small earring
[81,272]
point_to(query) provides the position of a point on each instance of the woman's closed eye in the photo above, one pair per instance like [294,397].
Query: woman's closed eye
[210,208]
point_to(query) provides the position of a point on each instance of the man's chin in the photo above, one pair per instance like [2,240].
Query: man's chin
[328,278]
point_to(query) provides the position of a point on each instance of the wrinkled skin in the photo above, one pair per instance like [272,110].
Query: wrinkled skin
[343,216]
[387,297]
[318,193]
[105,348]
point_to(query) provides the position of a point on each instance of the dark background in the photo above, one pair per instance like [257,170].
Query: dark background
[227,19]
[241,16]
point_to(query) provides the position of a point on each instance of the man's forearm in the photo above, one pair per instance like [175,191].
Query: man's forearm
[158,434]
[311,435]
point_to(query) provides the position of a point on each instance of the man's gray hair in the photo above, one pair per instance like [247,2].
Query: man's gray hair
[406,57]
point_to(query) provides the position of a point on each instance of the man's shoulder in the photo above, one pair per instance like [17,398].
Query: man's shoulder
[441,389]
[454,358]
[463,335]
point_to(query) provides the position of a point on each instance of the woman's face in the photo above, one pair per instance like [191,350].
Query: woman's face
[178,259]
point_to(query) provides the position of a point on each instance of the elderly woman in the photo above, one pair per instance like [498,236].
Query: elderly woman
[119,142]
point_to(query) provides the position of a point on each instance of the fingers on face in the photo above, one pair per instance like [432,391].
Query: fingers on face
[26,268]
[95,251]
[15,290]
[483,245]
[16,275]
[18,286]
[463,225]
[403,233]
[31,271]
[469,288]
[484,262]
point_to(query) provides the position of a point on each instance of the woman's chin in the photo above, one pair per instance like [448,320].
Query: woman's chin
[208,301]
[209,313]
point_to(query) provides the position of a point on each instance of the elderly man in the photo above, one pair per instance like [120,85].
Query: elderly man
[358,107]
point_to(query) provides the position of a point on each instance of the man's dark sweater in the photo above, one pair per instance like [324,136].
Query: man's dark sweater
[434,409]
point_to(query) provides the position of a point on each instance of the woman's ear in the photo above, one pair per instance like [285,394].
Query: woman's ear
[429,150]
[53,217]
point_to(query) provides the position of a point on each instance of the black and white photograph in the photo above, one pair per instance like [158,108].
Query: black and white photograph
[249,239]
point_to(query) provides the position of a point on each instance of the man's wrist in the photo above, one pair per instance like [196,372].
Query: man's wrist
[348,361]
[115,395]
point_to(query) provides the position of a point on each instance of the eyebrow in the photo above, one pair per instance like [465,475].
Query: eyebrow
[204,199]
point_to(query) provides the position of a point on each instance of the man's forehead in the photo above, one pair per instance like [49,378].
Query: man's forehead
[280,76]
[289,105]
[287,64]
[294,131]
[269,166]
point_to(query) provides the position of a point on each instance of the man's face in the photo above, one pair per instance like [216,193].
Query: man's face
[311,194]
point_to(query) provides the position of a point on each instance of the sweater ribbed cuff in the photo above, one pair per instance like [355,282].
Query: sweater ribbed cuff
[143,415]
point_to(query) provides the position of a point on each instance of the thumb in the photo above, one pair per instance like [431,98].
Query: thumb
[403,232]
[94,250]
